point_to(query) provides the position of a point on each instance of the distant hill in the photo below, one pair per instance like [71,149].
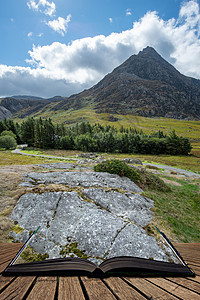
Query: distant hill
[25,97]
[144,85]
[23,106]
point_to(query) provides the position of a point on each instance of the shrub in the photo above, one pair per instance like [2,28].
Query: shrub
[118,167]
[7,142]
[9,132]
[142,178]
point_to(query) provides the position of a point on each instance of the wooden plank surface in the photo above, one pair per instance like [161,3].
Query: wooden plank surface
[10,246]
[96,289]
[8,252]
[4,265]
[4,281]
[44,289]
[70,288]
[149,289]
[187,283]
[18,288]
[195,269]
[196,279]
[174,289]
[122,289]
[11,252]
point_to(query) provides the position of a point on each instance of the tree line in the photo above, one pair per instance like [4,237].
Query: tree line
[42,133]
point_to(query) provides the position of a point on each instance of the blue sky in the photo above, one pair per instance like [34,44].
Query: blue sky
[60,47]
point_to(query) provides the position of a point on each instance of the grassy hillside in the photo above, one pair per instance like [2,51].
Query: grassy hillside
[190,129]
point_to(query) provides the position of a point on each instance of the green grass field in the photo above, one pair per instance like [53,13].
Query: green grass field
[9,158]
[190,129]
[177,211]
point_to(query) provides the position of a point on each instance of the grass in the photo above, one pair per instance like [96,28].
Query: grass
[195,149]
[178,210]
[190,163]
[9,158]
[190,129]
[34,152]
[61,153]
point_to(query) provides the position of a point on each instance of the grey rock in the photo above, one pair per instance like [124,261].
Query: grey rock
[40,244]
[33,210]
[134,161]
[133,239]
[86,223]
[66,217]
[101,223]
[133,207]
[22,147]
[88,155]
[4,113]
[86,179]
[56,166]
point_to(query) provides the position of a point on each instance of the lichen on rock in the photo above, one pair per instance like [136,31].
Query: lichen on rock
[94,221]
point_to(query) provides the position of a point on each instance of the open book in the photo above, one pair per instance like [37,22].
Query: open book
[123,265]
[117,266]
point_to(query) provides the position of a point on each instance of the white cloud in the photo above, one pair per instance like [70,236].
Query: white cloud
[27,81]
[64,69]
[60,25]
[30,34]
[44,6]
[128,12]
[110,20]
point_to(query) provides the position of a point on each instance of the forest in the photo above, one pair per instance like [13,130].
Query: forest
[43,133]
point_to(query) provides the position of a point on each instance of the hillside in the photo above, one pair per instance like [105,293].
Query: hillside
[144,85]
[22,106]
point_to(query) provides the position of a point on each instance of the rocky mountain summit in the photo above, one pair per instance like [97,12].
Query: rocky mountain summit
[145,85]
[91,215]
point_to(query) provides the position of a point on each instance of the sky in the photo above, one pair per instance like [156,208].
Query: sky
[61,47]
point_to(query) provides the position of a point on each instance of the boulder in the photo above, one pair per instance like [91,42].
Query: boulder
[134,161]
[103,218]
[85,179]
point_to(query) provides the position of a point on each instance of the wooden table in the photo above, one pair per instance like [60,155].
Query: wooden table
[54,287]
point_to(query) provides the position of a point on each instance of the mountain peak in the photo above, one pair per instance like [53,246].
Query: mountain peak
[149,50]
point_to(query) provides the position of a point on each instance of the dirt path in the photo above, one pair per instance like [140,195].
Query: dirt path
[19,151]
[175,170]
[164,167]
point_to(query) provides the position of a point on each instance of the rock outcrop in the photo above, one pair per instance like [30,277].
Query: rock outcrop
[4,113]
[99,216]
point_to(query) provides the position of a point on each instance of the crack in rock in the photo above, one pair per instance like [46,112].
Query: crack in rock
[133,207]
[106,254]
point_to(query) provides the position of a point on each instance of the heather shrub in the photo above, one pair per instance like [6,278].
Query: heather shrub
[142,178]
[115,166]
